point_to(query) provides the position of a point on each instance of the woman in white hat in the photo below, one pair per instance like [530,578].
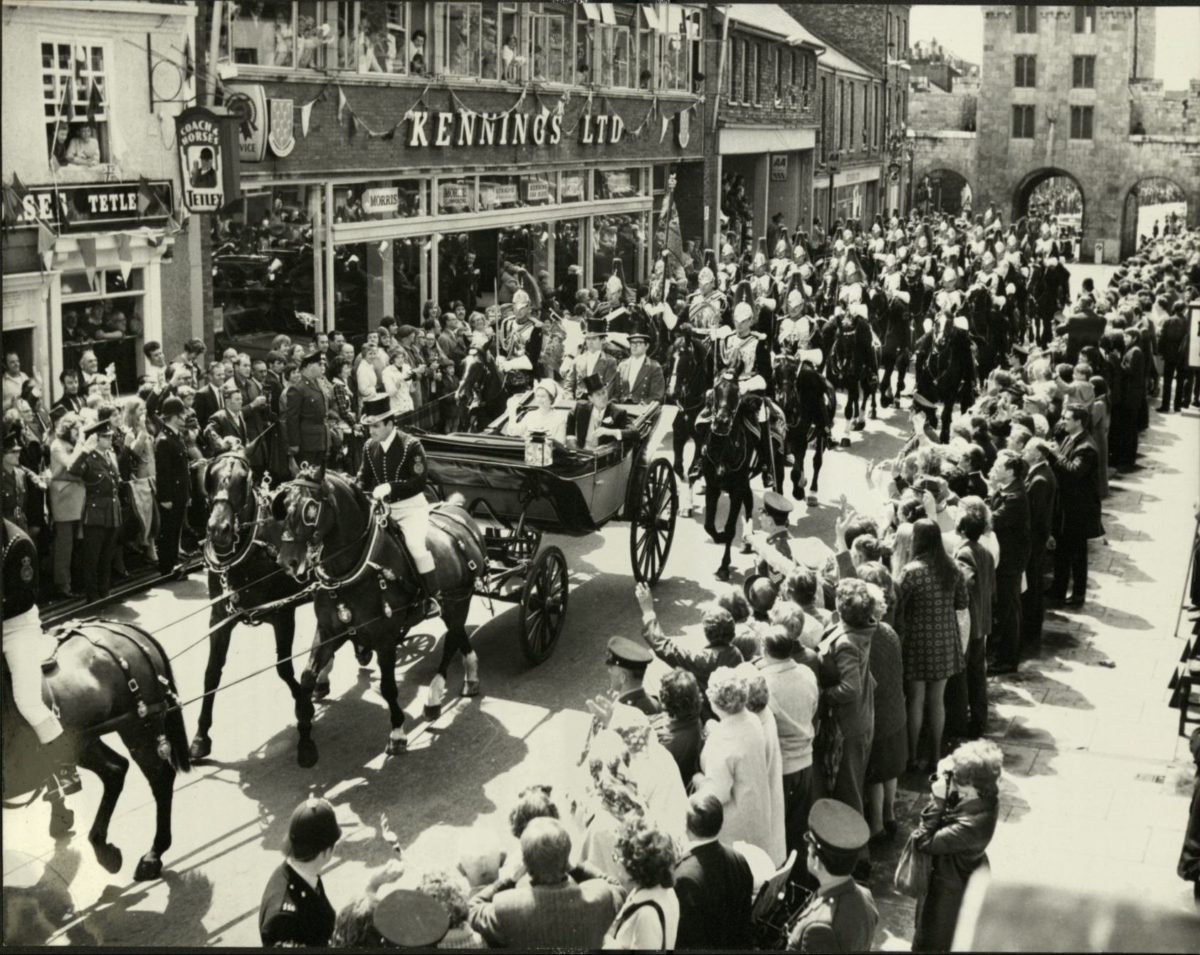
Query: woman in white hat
[540,415]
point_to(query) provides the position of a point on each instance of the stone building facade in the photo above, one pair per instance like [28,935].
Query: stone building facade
[1062,93]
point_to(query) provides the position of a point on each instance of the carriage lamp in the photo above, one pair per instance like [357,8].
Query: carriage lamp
[344,614]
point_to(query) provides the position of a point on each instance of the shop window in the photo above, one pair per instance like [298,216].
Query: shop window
[549,46]
[75,104]
[568,265]
[499,192]
[1081,122]
[1026,18]
[1025,66]
[522,254]
[462,42]
[1083,72]
[617,183]
[1085,19]
[383,199]
[621,236]
[263,277]
[455,196]
[1022,122]
[351,287]
[107,320]
[853,103]
[572,187]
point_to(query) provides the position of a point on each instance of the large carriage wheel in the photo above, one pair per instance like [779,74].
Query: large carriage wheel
[543,604]
[652,523]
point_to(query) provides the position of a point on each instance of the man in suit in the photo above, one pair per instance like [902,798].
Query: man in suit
[639,379]
[1041,488]
[550,910]
[593,361]
[97,467]
[173,482]
[211,397]
[841,915]
[230,422]
[70,399]
[255,409]
[713,884]
[1011,522]
[595,420]
[1076,465]
[304,416]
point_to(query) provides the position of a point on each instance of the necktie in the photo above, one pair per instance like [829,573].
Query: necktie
[220,397]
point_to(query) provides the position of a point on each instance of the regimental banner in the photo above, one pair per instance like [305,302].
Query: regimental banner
[198,133]
[98,206]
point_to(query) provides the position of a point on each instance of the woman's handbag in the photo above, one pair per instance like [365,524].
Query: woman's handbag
[914,868]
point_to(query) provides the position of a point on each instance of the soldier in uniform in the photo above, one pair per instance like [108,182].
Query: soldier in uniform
[25,647]
[706,307]
[592,361]
[305,414]
[746,351]
[841,915]
[762,289]
[639,379]
[626,664]
[520,345]
[97,466]
[393,471]
[12,479]
[295,910]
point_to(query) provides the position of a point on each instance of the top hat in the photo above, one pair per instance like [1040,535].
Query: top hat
[595,327]
[376,408]
[593,383]
[639,329]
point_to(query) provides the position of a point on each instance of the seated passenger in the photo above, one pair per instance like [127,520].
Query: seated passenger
[596,421]
[540,415]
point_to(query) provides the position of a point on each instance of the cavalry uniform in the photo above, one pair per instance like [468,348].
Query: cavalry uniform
[705,310]
[749,356]
[521,346]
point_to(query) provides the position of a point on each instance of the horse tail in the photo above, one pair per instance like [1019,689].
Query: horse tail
[173,725]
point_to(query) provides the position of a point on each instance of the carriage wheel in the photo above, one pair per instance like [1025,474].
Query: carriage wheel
[543,604]
[652,524]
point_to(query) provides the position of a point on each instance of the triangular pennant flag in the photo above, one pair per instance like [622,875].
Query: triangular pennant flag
[391,133]
[95,104]
[46,246]
[87,251]
[341,104]
[18,188]
[125,255]
[12,207]
[305,116]
[188,67]
[666,124]
[147,194]
[353,130]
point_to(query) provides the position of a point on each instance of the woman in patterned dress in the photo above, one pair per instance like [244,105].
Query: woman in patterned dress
[930,592]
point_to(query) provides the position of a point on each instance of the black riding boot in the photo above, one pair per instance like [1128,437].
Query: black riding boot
[64,777]
[433,606]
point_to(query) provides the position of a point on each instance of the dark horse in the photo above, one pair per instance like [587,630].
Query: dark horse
[367,588]
[689,373]
[240,556]
[729,457]
[809,404]
[106,677]
[479,398]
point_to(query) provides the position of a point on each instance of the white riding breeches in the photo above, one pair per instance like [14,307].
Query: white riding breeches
[25,647]
[412,514]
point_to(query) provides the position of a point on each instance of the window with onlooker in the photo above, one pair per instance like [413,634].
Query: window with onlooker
[306,35]
[549,42]
[461,52]
[105,318]
[1081,122]
[1083,72]
[75,103]
[1025,70]
[1022,122]
[1026,18]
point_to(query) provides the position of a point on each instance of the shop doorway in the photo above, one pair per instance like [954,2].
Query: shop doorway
[744,219]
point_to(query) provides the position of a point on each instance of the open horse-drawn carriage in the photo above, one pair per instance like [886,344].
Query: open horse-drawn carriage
[574,492]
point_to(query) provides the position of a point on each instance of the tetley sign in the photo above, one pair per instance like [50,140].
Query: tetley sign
[465,128]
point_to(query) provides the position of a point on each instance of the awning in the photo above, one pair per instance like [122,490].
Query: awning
[773,20]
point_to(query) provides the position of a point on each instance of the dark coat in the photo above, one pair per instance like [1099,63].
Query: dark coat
[101,503]
[1077,466]
[292,912]
[1011,522]
[206,404]
[1041,487]
[172,479]
[223,424]
[1133,378]
[650,386]
[683,739]
[304,419]
[402,468]
[713,884]
[613,418]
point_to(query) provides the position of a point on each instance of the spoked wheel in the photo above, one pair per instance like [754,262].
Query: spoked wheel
[543,604]
[652,525]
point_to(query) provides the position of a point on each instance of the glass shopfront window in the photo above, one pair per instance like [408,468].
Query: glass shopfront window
[382,199]
[622,236]
[568,263]
[617,183]
[572,187]
[455,195]
[263,278]
[408,256]
[105,319]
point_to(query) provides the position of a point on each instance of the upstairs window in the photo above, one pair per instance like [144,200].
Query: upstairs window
[549,45]
[751,86]
[1081,122]
[1085,19]
[1083,72]
[75,103]
[1026,18]
[737,94]
[461,28]
[308,35]
[1026,71]
[1022,122]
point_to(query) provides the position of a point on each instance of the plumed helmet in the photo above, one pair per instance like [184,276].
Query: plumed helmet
[743,311]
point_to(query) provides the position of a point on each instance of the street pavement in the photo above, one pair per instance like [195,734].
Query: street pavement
[1094,793]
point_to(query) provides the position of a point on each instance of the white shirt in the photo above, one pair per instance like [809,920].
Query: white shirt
[635,368]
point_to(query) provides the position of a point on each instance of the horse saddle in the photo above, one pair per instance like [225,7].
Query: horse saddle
[444,517]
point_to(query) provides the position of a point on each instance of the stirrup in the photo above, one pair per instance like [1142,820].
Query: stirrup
[63,781]
[432,607]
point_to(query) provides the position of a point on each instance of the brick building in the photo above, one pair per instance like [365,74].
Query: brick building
[397,153]
[1063,94]
[92,261]
[765,118]
[874,36]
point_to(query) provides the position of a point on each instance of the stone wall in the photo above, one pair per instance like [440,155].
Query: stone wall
[1164,112]
[933,109]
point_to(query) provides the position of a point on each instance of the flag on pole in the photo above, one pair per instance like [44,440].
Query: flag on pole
[189,68]
[668,236]
[153,204]
[62,117]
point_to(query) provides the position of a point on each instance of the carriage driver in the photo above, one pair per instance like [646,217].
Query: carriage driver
[393,470]
[25,647]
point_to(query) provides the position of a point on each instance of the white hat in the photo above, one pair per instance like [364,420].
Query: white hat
[742,311]
[794,299]
[549,386]
[520,297]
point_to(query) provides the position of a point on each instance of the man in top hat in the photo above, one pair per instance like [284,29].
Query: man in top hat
[592,361]
[230,422]
[596,420]
[626,663]
[841,915]
[394,471]
[639,379]
[97,467]
[304,416]
[294,908]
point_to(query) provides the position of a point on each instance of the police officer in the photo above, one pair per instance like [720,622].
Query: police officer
[626,663]
[294,908]
[841,916]
[24,648]
[97,466]
[394,471]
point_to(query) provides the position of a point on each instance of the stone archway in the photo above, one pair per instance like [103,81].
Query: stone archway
[1052,194]
[943,190]
[1149,202]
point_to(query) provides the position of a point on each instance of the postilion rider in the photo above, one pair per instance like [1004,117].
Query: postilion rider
[394,471]
[25,647]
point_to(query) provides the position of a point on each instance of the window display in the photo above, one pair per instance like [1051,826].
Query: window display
[105,320]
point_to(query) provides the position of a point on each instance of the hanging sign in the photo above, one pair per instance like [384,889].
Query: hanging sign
[381,201]
[198,135]
[779,164]
[249,105]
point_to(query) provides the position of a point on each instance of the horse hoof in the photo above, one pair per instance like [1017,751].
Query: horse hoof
[470,688]
[320,692]
[62,820]
[397,747]
[109,857]
[306,754]
[147,869]
[723,574]
[362,655]
[200,748]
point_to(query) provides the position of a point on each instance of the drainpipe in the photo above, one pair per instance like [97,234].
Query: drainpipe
[721,66]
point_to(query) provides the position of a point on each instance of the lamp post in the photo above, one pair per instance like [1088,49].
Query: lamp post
[833,165]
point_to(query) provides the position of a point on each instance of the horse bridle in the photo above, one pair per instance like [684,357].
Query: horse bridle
[257,498]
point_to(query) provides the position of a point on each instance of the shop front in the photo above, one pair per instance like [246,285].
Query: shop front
[855,196]
[764,171]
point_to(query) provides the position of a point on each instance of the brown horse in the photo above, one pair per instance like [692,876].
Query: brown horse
[105,677]
[368,590]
